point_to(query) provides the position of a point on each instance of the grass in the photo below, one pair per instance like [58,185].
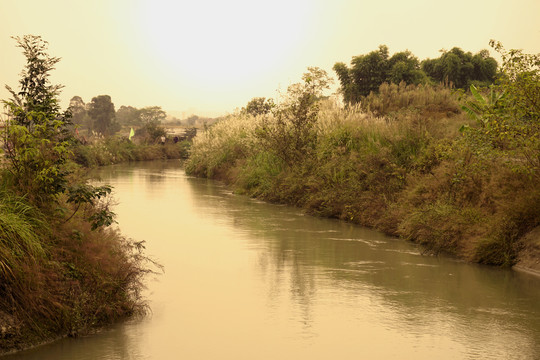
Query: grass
[21,225]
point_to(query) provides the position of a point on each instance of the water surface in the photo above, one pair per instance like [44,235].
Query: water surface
[249,280]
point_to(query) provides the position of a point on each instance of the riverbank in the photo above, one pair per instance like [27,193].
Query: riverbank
[63,270]
[63,278]
[115,150]
[83,278]
[229,246]
[529,257]
[399,164]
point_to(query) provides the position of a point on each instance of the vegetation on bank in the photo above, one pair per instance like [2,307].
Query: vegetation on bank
[63,269]
[114,150]
[456,172]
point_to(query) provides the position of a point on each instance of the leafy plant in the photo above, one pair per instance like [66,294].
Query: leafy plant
[291,132]
[259,106]
[88,194]
[37,138]
[509,116]
[480,108]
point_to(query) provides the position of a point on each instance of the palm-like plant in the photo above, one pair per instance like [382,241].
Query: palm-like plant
[482,106]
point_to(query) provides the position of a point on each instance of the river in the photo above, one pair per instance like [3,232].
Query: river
[248,280]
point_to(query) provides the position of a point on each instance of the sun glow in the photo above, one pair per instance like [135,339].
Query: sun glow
[217,43]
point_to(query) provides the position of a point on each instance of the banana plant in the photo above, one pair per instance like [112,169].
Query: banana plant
[482,106]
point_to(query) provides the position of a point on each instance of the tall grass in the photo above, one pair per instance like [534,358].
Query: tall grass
[432,100]
[21,230]
[217,148]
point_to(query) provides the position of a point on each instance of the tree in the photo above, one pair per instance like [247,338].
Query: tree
[101,110]
[127,115]
[317,80]
[151,115]
[78,112]
[348,88]
[462,69]
[38,139]
[404,66]
[77,104]
[521,81]
[368,72]
[37,135]
[259,106]
[291,132]
[485,68]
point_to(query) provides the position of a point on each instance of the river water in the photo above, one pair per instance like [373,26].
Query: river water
[249,280]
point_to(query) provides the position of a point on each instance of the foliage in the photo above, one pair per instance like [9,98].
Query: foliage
[369,71]
[150,118]
[393,98]
[405,67]
[86,194]
[151,132]
[222,144]
[127,115]
[151,115]
[316,81]
[366,74]
[481,105]
[290,132]
[79,114]
[508,117]
[101,111]
[37,135]
[521,80]
[131,116]
[461,69]
[259,106]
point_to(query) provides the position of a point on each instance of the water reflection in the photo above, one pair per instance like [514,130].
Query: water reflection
[486,308]
[246,280]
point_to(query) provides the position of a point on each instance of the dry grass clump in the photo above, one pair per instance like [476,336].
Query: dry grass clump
[429,99]
[222,144]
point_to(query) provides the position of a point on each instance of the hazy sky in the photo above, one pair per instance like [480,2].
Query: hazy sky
[210,57]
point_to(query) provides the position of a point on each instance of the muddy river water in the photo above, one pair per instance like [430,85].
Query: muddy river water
[248,280]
